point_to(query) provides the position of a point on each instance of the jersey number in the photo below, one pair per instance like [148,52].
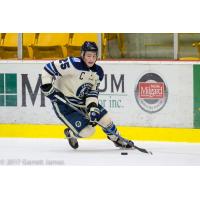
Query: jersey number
[64,64]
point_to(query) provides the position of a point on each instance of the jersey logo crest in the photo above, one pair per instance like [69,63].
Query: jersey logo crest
[83,90]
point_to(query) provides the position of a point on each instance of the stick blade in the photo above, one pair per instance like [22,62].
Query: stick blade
[143,150]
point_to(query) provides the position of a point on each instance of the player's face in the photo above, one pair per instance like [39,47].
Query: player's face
[90,58]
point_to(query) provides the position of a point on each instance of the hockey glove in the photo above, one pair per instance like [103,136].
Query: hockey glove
[50,92]
[94,113]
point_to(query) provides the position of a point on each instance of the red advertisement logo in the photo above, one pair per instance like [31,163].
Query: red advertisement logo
[151,90]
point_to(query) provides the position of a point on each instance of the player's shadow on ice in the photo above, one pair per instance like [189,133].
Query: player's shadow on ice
[96,150]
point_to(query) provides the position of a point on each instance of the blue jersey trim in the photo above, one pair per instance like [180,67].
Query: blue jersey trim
[76,101]
[79,65]
[49,71]
[98,69]
[92,95]
[54,67]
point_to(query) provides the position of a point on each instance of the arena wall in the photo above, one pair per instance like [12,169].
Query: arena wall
[148,100]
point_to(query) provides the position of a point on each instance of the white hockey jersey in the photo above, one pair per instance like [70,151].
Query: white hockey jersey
[74,79]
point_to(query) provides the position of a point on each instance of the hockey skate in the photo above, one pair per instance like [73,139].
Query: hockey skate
[121,142]
[73,142]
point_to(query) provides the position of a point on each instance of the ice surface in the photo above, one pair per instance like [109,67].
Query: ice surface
[32,152]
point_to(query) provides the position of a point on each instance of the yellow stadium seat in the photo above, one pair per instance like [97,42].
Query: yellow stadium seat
[9,39]
[44,45]
[49,45]
[76,40]
[28,39]
[8,46]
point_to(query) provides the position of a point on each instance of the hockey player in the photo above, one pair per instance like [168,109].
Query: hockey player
[72,86]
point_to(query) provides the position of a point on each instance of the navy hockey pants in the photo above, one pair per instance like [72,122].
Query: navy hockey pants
[72,118]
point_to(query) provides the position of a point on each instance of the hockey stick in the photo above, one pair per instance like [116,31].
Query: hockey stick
[142,150]
[83,114]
